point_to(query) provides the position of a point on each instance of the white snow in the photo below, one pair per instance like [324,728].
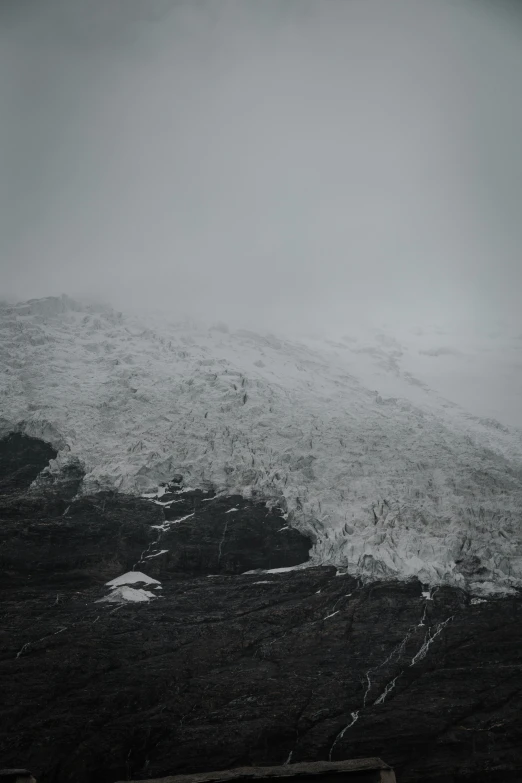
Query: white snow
[169,522]
[488,588]
[352,436]
[155,495]
[164,503]
[132,577]
[156,554]
[332,614]
[276,570]
[126,594]
[120,592]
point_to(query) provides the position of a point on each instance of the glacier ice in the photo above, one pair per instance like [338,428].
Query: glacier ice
[393,483]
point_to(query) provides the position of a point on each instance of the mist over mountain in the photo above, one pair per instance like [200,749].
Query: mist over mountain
[277,164]
[260,388]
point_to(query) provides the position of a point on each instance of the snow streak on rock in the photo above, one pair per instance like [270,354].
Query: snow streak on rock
[431,635]
[389,687]
[354,719]
[394,657]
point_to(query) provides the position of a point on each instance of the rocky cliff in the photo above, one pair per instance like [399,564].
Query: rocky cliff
[180,632]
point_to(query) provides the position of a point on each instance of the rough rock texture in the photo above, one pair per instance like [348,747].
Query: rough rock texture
[87,542]
[228,535]
[21,460]
[321,771]
[224,669]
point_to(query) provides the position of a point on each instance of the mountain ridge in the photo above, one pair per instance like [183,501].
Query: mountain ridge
[389,487]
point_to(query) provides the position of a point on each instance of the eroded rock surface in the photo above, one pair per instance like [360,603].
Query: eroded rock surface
[21,460]
[221,668]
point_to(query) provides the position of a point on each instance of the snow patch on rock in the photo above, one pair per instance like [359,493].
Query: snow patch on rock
[126,595]
[131,578]
[122,593]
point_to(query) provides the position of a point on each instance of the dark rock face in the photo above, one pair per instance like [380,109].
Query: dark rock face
[21,460]
[226,669]
[64,484]
[93,539]
[81,542]
[229,535]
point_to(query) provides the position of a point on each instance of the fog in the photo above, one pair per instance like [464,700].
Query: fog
[274,163]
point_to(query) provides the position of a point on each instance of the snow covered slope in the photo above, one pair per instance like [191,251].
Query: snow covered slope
[390,477]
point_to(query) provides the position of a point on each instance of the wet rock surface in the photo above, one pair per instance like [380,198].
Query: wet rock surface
[227,535]
[21,460]
[221,668]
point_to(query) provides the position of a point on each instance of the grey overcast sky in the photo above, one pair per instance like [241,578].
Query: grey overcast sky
[266,162]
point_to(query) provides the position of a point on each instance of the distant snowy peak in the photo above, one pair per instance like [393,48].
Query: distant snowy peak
[390,477]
